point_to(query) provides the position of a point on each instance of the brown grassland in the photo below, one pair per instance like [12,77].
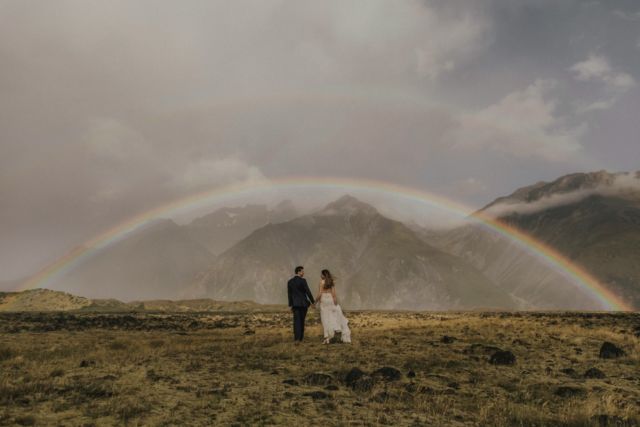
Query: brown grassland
[242,368]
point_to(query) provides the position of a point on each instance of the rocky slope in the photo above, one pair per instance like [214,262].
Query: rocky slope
[223,228]
[592,218]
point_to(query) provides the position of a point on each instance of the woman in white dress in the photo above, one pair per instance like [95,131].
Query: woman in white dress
[331,315]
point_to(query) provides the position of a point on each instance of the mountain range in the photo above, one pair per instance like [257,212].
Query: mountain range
[247,253]
[382,263]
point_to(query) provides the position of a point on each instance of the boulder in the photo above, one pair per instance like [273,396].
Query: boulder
[609,350]
[387,373]
[502,357]
[594,373]
[318,378]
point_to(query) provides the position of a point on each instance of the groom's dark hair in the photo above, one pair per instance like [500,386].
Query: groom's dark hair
[299,269]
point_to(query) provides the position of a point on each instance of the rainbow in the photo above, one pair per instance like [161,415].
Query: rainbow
[586,282]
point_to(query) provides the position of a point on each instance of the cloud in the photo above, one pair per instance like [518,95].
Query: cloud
[600,105]
[597,67]
[627,15]
[113,108]
[462,188]
[522,124]
[623,185]
[207,173]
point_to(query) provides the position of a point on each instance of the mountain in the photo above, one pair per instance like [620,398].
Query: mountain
[154,262]
[591,218]
[379,262]
[223,228]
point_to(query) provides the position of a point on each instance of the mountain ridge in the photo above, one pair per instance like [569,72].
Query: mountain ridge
[597,230]
[352,236]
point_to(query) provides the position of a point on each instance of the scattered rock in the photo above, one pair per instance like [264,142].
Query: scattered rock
[570,372]
[427,390]
[436,391]
[315,395]
[594,373]
[56,373]
[502,358]
[26,420]
[358,380]
[353,375]
[481,349]
[604,420]
[610,351]
[381,397]
[447,339]
[569,391]
[318,378]
[387,373]
[410,387]
[290,381]
[364,384]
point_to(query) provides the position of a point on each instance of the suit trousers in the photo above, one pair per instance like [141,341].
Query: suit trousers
[299,314]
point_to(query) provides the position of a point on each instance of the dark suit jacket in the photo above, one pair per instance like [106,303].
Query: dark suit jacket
[299,292]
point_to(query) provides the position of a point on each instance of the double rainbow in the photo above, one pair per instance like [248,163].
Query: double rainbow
[557,261]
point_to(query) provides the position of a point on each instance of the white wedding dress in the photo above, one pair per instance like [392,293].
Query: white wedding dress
[333,319]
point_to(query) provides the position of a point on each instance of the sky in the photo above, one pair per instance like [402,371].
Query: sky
[109,109]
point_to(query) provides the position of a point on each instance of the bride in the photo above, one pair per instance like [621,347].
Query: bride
[331,315]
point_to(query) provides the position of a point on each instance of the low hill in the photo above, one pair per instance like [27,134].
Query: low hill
[41,300]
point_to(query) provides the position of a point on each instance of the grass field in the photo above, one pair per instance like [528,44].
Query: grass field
[243,369]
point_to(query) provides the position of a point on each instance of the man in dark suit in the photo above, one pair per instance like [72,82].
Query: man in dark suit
[300,298]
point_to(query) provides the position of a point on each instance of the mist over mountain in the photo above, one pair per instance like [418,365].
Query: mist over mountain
[566,190]
[380,263]
[592,218]
[158,259]
[153,262]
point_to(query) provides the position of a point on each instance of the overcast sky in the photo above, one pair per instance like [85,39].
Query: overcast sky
[110,108]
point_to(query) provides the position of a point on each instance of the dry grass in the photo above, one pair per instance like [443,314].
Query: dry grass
[204,369]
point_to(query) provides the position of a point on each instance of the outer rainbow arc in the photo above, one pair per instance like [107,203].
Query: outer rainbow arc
[582,278]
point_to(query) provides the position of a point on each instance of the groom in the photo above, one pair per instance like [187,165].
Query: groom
[300,298]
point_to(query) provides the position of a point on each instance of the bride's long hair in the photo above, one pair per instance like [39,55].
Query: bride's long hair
[328,279]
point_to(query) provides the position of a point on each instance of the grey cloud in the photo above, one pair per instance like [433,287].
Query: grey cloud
[113,108]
